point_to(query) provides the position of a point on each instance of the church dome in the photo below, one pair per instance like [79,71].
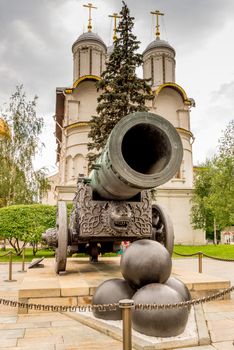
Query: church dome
[158,43]
[89,36]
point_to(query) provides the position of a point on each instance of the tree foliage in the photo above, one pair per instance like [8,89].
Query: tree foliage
[19,182]
[213,199]
[226,142]
[122,91]
[202,216]
[22,224]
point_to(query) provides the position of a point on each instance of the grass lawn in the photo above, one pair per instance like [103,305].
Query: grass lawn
[220,251]
[223,251]
[28,255]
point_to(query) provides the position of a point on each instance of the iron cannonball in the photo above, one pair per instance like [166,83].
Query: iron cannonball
[145,261]
[180,287]
[109,292]
[159,323]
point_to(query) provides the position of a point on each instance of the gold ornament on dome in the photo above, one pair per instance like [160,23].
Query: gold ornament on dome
[90,7]
[4,130]
[157,13]
[115,16]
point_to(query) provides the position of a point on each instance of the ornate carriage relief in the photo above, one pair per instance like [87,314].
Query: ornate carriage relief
[112,218]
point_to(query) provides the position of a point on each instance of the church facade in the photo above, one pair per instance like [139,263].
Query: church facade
[75,105]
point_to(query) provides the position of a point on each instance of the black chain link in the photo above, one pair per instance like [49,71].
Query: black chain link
[114,306]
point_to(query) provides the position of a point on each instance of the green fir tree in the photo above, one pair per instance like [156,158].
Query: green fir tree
[122,91]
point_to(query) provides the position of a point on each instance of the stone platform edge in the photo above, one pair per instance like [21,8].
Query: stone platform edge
[44,287]
[114,332]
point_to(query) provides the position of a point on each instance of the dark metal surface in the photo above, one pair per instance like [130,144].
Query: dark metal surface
[111,292]
[145,261]
[162,228]
[102,218]
[36,263]
[143,151]
[61,250]
[50,237]
[180,287]
[159,323]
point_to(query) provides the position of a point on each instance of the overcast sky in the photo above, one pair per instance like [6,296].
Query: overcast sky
[35,50]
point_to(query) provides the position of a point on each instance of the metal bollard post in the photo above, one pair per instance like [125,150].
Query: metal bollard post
[23,262]
[200,256]
[10,268]
[126,305]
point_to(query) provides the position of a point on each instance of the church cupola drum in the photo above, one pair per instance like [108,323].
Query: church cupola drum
[89,53]
[159,59]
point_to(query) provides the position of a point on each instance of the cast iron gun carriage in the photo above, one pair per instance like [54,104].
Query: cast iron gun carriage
[114,204]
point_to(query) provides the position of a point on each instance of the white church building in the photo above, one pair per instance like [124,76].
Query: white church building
[76,104]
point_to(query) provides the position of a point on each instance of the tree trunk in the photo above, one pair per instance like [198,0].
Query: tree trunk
[215,232]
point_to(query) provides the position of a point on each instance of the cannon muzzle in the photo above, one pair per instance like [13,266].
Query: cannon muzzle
[143,151]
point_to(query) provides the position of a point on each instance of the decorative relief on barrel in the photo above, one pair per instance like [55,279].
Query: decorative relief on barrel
[101,218]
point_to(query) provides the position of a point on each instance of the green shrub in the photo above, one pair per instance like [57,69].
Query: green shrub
[22,224]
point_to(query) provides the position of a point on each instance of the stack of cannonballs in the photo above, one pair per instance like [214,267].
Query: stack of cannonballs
[146,268]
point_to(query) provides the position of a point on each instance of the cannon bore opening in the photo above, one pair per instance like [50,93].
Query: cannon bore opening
[146,149]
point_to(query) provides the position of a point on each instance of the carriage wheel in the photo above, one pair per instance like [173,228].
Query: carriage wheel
[62,231]
[162,228]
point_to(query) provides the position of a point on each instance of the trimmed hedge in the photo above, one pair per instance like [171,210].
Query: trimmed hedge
[26,223]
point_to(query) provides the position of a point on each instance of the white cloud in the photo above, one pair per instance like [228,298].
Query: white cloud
[35,49]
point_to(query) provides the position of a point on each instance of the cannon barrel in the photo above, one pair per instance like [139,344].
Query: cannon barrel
[143,151]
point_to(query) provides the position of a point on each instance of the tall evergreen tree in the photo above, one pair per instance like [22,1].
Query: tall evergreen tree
[122,91]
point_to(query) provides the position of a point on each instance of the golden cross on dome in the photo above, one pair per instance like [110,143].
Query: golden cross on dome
[157,13]
[115,16]
[90,7]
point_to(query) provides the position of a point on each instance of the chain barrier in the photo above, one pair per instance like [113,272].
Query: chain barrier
[206,255]
[8,253]
[217,258]
[186,255]
[114,306]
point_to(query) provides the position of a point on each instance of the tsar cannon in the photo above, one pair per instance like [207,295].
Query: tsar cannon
[114,204]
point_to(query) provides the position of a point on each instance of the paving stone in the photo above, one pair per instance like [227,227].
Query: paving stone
[25,325]
[219,306]
[64,323]
[7,319]
[6,343]
[46,317]
[220,335]
[212,316]
[11,333]
[205,347]
[224,345]
[220,324]
[51,340]
[37,332]
[35,347]
[31,288]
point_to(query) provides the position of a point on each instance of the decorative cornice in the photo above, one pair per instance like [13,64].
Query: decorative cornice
[185,131]
[68,91]
[85,77]
[176,87]
[77,125]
